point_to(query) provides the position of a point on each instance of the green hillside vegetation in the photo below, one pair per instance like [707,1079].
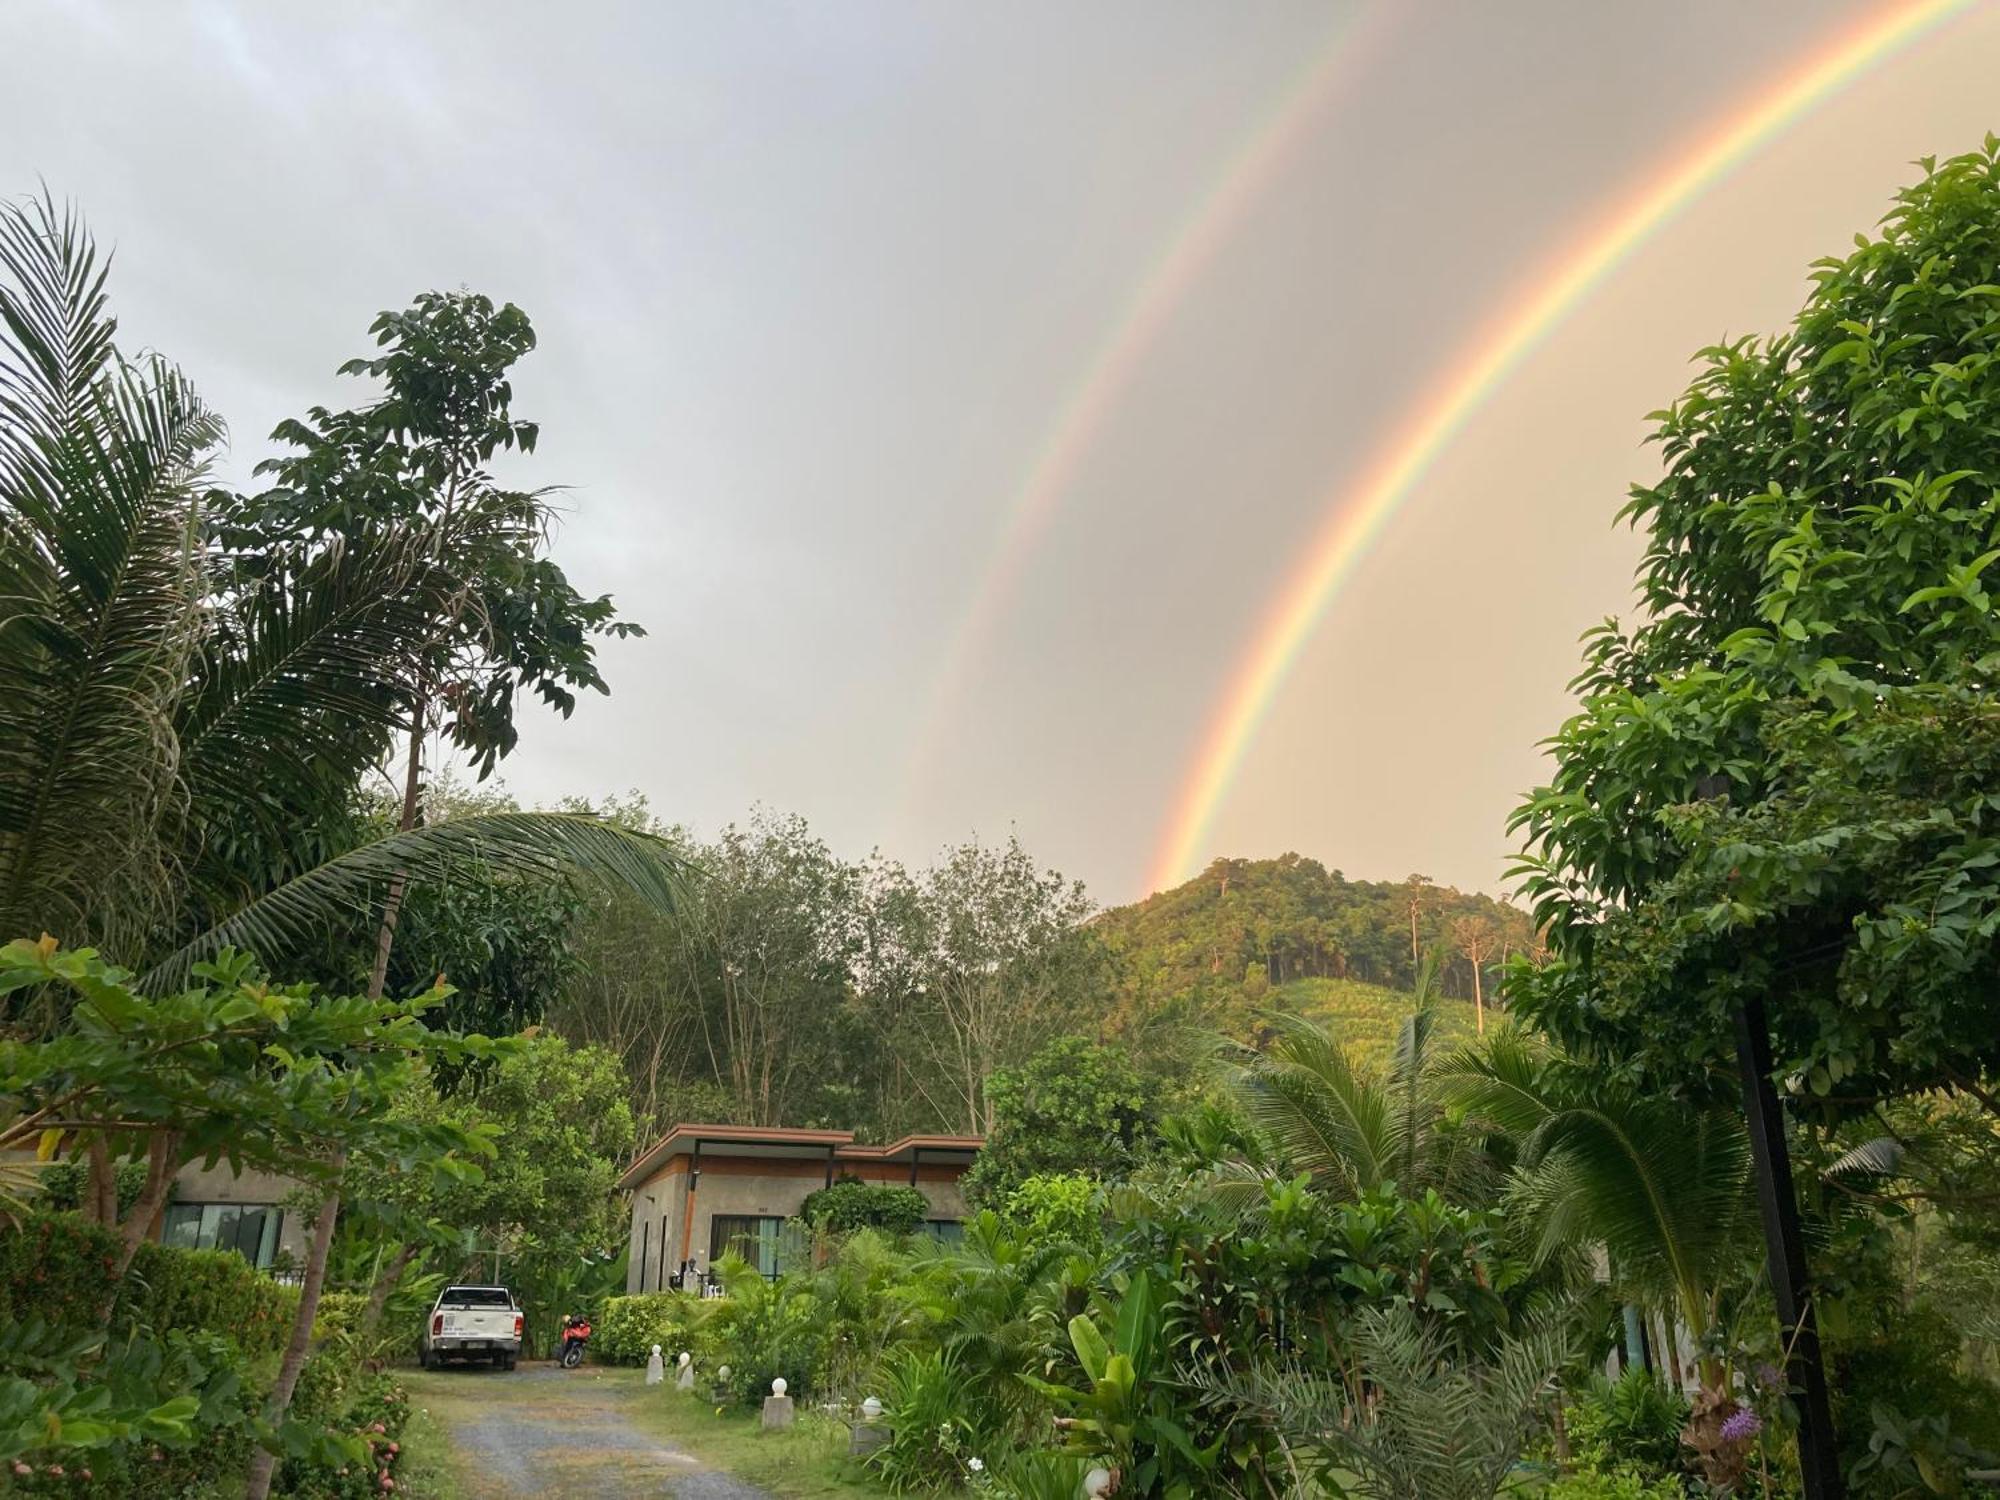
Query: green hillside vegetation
[1365,1018]
[1232,944]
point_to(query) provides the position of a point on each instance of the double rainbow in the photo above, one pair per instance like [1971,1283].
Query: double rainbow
[1360,508]
[1148,311]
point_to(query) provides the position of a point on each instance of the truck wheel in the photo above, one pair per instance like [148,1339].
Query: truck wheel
[507,1362]
[423,1357]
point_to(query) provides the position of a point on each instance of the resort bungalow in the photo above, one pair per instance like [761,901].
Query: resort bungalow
[703,1190]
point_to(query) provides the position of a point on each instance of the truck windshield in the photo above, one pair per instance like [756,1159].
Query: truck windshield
[477,1296]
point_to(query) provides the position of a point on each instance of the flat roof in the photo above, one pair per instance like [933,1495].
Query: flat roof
[785,1144]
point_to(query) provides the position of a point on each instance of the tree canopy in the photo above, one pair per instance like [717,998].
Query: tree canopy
[1781,780]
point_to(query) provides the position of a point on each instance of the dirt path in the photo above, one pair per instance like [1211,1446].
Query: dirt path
[546,1432]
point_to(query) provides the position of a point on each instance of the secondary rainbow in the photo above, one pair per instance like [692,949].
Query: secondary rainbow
[1364,505]
[1147,312]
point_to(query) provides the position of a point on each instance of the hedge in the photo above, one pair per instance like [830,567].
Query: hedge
[59,1267]
[852,1204]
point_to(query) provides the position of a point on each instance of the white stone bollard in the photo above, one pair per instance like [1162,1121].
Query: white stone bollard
[656,1368]
[778,1411]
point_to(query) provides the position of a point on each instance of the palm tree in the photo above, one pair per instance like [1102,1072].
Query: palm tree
[1351,1129]
[1665,1188]
[185,713]
[174,729]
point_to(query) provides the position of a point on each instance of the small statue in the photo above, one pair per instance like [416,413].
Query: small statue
[656,1368]
[685,1380]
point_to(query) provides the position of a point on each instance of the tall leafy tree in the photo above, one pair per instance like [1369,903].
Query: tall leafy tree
[976,962]
[506,619]
[191,686]
[1074,1107]
[193,691]
[1777,797]
[1780,780]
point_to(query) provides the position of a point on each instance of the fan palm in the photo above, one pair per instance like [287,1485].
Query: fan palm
[179,731]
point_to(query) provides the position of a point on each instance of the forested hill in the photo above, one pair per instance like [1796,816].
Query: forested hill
[1216,946]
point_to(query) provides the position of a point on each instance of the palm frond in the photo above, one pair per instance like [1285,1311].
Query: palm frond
[1410,1068]
[1413,1421]
[350,887]
[1666,1188]
[1327,1117]
[100,589]
[1881,1156]
[300,687]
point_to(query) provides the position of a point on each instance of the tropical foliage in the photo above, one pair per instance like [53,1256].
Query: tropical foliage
[195,685]
[1221,1246]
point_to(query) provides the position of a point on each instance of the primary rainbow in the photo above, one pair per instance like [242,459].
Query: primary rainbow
[1361,508]
[1147,312]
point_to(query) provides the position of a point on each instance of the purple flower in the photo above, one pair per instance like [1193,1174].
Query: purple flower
[1769,1375]
[1741,1425]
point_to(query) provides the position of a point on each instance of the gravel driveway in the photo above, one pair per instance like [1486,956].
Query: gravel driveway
[542,1431]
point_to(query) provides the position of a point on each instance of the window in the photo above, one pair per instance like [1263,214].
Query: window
[947,1232]
[750,1236]
[477,1296]
[250,1229]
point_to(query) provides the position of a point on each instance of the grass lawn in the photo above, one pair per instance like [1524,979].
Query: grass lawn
[808,1463]
[429,1468]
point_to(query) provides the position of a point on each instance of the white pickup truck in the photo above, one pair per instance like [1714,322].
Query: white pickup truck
[472,1322]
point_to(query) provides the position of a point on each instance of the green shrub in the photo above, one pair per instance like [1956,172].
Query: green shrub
[150,1420]
[63,1184]
[360,1449]
[1620,1485]
[764,1330]
[1632,1423]
[626,1328]
[328,1384]
[58,1267]
[930,1404]
[1034,1476]
[852,1204]
[1057,1206]
[1910,1359]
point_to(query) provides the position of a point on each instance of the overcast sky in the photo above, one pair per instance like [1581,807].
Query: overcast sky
[815,284]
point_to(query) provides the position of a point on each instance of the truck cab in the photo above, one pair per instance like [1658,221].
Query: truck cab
[472,1323]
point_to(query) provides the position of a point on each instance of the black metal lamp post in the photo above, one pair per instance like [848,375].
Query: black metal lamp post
[1785,1251]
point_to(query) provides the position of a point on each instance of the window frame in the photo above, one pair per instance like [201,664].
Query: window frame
[219,1225]
[766,1231]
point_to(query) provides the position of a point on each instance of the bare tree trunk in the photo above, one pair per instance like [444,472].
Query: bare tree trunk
[101,1202]
[1478,997]
[1673,1346]
[162,1161]
[385,1285]
[392,908]
[264,1461]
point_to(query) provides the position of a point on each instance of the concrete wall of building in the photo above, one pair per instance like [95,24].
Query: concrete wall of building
[763,1187]
[219,1184]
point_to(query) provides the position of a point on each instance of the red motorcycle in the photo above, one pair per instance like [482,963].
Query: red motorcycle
[575,1334]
